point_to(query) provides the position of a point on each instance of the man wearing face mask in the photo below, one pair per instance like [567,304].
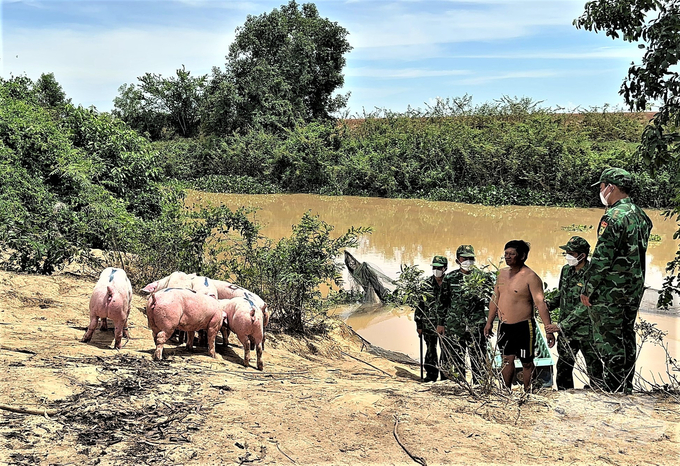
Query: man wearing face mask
[575,325]
[426,316]
[615,279]
[462,316]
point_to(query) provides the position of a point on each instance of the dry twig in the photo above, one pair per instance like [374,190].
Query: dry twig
[17,350]
[282,452]
[367,363]
[36,411]
[417,459]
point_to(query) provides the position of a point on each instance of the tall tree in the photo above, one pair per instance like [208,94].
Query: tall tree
[159,104]
[49,92]
[131,107]
[287,65]
[655,26]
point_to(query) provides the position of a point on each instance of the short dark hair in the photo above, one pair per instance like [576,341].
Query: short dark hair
[521,246]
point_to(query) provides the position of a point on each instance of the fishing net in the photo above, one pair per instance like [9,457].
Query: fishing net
[375,285]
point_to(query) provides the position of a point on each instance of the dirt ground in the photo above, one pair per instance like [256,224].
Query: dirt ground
[318,401]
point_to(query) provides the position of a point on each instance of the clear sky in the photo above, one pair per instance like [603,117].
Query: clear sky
[406,52]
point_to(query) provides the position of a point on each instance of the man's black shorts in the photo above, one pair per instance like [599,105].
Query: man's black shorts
[518,339]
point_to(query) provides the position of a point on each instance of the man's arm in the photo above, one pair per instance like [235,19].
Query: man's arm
[536,289]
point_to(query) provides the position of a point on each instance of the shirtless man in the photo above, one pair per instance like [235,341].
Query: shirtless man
[518,289]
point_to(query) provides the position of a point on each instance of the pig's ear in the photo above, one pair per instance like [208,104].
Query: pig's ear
[150,288]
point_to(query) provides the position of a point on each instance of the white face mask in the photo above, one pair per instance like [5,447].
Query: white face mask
[438,273]
[467,265]
[571,260]
[603,198]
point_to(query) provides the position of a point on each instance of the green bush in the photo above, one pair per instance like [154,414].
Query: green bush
[288,273]
[233,184]
[508,152]
[73,180]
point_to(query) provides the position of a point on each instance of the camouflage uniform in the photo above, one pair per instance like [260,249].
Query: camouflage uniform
[463,315]
[614,283]
[426,320]
[577,332]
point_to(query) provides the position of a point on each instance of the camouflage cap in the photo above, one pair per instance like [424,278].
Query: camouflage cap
[577,244]
[616,176]
[465,250]
[440,261]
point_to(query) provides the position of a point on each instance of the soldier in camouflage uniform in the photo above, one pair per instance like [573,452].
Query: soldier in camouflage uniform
[575,324]
[615,279]
[426,316]
[462,314]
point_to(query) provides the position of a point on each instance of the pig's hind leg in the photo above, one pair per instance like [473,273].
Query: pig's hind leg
[213,328]
[225,336]
[190,341]
[160,338]
[118,334]
[94,320]
[258,350]
[212,335]
[245,341]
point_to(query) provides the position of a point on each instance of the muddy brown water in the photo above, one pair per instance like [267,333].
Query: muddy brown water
[411,231]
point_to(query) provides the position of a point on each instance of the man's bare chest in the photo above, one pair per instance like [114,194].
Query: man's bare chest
[515,287]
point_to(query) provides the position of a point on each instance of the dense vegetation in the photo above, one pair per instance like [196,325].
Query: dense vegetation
[263,124]
[507,152]
[75,179]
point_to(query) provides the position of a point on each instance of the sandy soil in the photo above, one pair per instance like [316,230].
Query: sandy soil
[318,401]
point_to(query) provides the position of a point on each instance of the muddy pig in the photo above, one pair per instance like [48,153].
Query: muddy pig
[181,309]
[247,321]
[111,298]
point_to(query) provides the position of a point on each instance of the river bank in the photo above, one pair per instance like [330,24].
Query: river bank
[318,401]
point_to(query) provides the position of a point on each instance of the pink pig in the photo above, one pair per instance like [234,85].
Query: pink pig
[247,321]
[111,298]
[226,290]
[174,280]
[183,309]
[204,285]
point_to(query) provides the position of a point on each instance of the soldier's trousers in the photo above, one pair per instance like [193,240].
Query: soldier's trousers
[431,359]
[614,341]
[568,348]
